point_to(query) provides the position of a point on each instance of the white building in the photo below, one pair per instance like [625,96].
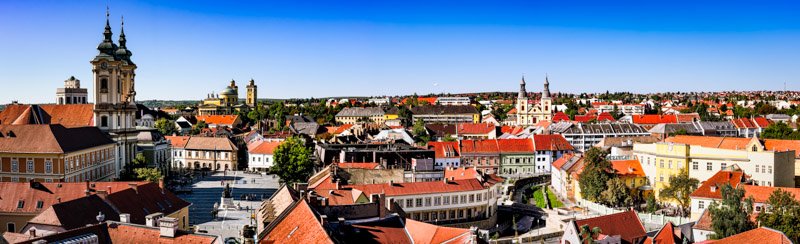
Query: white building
[72,93]
[260,155]
[584,136]
[453,101]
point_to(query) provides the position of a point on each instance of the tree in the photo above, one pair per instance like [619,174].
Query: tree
[679,188]
[199,126]
[652,207]
[617,194]
[595,174]
[588,235]
[165,127]
[148,174]
[420,132]
[784,214]
[292,161]
[139,161]
[732,216]
[780,131]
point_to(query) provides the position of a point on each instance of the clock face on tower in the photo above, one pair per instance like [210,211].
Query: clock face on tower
[104,65]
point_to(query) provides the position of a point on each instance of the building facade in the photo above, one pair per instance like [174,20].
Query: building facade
[353,115]
[452,114]
[113,73]
[72,93]
[583,136]
[529,112]
[252,94]
[197,153]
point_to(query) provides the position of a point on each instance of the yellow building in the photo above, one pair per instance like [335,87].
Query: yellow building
[659,161]
[631,172]
[227,100]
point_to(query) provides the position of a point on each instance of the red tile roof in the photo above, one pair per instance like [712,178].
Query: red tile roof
[761,194]
[759,235]
[783,145]
[605,116]
[524,146]
[718,180]
[704,222]
[734,143]
[666,235]
[479,147]
[476,128]
[427,233]
[126,233]
[555,142]
[625,224]
[298,224]
[445,149]
[653,119]
[430,100]
[358,165]
[628,168]
[49,193]
[68,115]
[416,188]
[461,173]
[218,119]
[514,130]
[512,111]
[178,141]
[335,130]
[266,147]
[560,116]
[50,138]
[757,122]
[762,122]
[687,118]
[562,160]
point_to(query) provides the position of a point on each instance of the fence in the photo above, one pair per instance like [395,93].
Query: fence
[644,217]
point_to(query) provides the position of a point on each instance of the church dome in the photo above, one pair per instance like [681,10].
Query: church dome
[228,91]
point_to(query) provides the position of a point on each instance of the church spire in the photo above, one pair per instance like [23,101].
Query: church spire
[122,40]
[522,92]
[107,46]
[546,91]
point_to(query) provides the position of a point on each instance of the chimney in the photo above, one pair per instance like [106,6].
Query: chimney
[102,194]
[125,218]
[323,219]
[168,226]
[88,189]
[152,219]
[133,186]
[161,185]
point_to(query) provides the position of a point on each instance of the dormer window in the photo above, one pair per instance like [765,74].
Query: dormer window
[21,204]
[39,204]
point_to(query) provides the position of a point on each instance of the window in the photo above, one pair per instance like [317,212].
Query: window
[463,198]
[48,166]
[435,216]
[21,204]
[661,163]
[103,121]
[446,200]
[409,203]
[770,169]
[452,214]
[29,169]
[701,205]
[14,165]
[471,198]
[39,204]
[427,202]
[709,166]
[437,201]
[104,85]
[10,227]
[419,202]
[723,166]
[670,164]
[455,199]
[479,197]
[756,168]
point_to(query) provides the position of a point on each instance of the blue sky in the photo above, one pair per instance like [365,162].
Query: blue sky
[186,49]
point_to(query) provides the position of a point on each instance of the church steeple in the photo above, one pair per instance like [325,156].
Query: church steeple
[546,91]
[123,52]
[522,92]
[107,46]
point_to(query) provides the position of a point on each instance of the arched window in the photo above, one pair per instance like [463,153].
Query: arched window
[104,85]
[755,148]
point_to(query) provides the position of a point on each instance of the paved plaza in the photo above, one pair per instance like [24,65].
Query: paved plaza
[206,191]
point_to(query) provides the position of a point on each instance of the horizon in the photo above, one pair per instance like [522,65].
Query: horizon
[365,49]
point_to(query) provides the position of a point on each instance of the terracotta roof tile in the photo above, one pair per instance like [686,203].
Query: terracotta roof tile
[445,149]
[476,128]
[560,162]
[427,233]
[758,235]
[298,224]
[628,168]
[461,173]
[666,235]
[734,143]
[560,116]
[514,130]
[625,224]
[524,146]
[68,115]
[479,147]
[554,142]
[127,233]
[267,147]
[761,194]
[178,141]
[49,193]
[359,165]
[48,138]
[218,119]
[654,119]
[783,145]
[416,188]
[210,143]
[734,178]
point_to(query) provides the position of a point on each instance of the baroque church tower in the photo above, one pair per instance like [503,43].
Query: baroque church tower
[114,108]
[252,94]
[529,112]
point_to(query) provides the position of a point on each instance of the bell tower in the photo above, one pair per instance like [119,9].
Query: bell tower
[252,93]
[113,74]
